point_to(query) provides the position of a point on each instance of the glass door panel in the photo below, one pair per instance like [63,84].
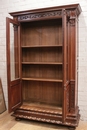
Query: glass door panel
[13,63]
[14,56]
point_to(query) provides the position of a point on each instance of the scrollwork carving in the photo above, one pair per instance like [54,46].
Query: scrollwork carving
[39,119]
[66,89]
[39,15]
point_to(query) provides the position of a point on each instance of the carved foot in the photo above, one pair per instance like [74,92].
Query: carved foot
[72,128]
[17,119]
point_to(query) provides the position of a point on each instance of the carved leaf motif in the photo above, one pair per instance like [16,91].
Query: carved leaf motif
[39,15]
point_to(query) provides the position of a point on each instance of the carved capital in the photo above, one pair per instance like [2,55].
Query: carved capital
[15,27]
[72,17]
[72,22]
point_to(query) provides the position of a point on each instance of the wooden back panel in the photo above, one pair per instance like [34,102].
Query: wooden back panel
[42,58]
[45,54]
[42,33]
[43,92]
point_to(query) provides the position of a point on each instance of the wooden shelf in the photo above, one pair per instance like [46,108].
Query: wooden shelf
[43,79]
[43,63]
[36,46]
[41,107]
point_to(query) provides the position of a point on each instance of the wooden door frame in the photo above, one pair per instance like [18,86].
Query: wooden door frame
[18,80]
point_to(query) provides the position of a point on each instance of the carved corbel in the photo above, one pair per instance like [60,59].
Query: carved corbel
[71,17]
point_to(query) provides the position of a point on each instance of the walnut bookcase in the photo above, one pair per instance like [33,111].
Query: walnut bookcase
[42,65]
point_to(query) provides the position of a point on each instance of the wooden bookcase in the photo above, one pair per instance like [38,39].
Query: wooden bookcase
[42,65]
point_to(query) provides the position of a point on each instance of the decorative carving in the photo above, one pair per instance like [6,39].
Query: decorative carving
[39,15]
[39,119]
[66,88]
[67,98]
[38,113]
[43,119]
[71,17]
[72,96]
[24,107]
[15,27]
[72,22]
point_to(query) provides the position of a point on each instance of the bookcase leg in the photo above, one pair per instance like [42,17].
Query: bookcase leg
[72,128]
[17,119]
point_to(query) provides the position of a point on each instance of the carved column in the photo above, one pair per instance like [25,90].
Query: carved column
[72,54]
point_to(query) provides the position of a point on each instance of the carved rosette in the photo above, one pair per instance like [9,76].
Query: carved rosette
[39,15]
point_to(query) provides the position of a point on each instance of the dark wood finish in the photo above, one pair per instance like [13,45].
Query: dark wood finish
[45,40]
[71,128]
[43,92]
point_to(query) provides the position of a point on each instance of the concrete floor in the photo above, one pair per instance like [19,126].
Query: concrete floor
[7,122]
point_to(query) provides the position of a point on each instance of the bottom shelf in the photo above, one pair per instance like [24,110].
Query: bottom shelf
[40,107]
[46,113]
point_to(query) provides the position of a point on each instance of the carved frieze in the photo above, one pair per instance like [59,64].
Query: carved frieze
[38,119]
[39,15]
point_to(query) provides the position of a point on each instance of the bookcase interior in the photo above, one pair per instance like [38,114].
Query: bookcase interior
[42,64]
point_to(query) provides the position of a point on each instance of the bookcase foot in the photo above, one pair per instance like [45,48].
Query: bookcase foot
[72,128]
[17,119]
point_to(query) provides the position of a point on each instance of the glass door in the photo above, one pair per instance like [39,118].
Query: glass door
[13,63]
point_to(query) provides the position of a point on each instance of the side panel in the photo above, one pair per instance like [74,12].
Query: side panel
[13,64]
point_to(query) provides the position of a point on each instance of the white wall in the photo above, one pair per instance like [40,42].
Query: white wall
[7,6]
